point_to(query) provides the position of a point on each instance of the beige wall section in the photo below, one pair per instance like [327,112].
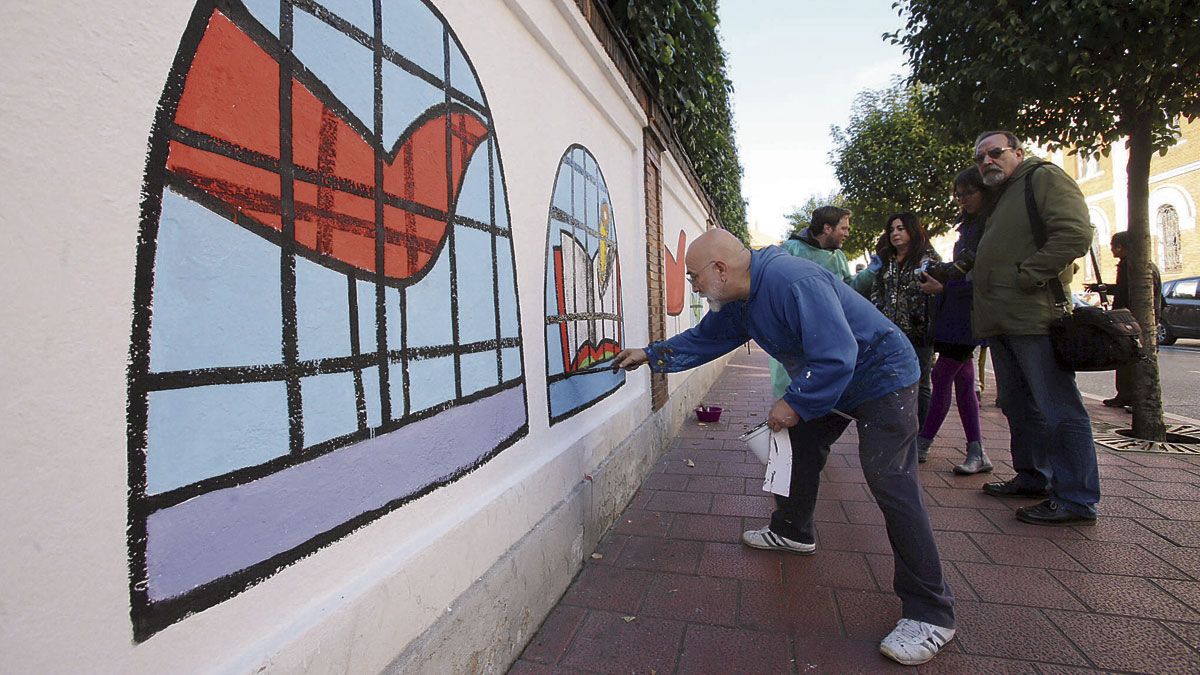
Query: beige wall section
[456,580]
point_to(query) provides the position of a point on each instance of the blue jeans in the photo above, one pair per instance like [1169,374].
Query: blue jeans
[1049,429]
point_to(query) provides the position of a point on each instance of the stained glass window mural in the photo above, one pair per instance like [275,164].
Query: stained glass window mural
[325,313]
[584,324]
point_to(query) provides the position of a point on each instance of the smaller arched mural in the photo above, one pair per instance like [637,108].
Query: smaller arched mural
[584,324]
[675,275]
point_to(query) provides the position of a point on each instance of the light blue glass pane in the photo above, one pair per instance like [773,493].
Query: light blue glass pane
[511,361]
[416,33]
[329,407]
[562,188]
[478,371]
[474,198]
[367,342]
[580,390]
[509,325]
[391,296]
[405,98]
[216,292]
[343,65]
[201,432]
[429,307]
[554,350]
[431,382]
[358,12]
[476,298]
[370,380]
[267,13]
[322,316]
[500,193]
[461,77]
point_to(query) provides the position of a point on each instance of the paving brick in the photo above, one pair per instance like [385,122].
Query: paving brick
[1178,474]
[679,502]
[609,549]
[883,568]
[964,498]
[711,649]
[742,470]
[862,513]
[1187,592]
[1006,521]
[844,491]
[607,642]
[645,523]
[1005,631]
[680,466]
[555,633]
[954,663]
[1188,633]
[707,600]
[666,481]
[838,474]
[867,615]
[717,484]
[1128,596]
[815,654]
[737,561]
[832,511]
[833,569]
[608,587]
[1186,560]
[524,667]
[1007,549]
[858,538]
[1120,488]
[1169,490]
[706,528]
[1113,558]
[1010,585]
[1121,530]
[957,546]
[960,520]
[1122,643]
[1123,507]
[664,555]
[1173,509]
[1176,531]
[774,607]
[755,506]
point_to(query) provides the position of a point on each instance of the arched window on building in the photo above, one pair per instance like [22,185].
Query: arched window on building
[1168,224]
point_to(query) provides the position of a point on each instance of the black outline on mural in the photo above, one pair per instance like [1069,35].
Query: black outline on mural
[148,617]
[550,319]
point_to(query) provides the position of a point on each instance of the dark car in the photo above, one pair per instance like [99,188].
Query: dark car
[1181,310]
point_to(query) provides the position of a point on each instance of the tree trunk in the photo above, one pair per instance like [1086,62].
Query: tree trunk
[1147,403]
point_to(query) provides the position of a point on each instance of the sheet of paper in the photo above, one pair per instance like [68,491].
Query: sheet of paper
[779,464]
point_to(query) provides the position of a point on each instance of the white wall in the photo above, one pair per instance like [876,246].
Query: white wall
[82,82]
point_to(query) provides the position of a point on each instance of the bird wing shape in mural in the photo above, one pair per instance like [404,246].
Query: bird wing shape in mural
[675,276]
[583,300]
[226,143]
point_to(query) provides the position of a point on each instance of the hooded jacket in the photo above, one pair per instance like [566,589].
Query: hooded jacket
[838,349]
[803,245]
[1012,276]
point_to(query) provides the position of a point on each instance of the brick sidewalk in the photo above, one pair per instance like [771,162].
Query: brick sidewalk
[671,589]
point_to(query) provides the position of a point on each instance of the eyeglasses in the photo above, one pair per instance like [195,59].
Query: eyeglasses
[994,153]
[963,195]
[691,276]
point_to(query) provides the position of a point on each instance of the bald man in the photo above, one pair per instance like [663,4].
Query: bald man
[846,361]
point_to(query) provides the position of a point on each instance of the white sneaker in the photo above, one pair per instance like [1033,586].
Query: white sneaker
[914,642]
[768,540]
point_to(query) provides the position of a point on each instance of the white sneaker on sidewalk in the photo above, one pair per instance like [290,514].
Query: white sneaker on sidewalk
[914,642]
[768,540]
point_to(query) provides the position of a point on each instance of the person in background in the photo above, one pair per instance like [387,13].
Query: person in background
[846,362]
[1119,244]
[892,284]
[952,338]
[1050,433]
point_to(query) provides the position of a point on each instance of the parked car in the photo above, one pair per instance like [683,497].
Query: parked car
[1181,310]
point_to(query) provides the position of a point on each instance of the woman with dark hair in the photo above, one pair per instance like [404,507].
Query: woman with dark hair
[952,338]
[902,250]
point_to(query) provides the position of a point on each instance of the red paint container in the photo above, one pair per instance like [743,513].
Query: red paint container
[709,413]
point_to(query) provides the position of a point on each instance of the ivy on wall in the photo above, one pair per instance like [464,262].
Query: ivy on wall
[676,44]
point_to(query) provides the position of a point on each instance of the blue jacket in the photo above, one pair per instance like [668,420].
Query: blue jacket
[839,350]
[952,308]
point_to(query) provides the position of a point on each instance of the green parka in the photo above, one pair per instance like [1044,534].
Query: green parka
[1012,276]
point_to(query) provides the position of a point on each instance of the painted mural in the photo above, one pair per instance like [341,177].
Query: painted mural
[675,275]
[325,313]
[584,320]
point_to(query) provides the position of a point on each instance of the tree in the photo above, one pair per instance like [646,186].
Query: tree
[891,157]
[677,45]
[1078,74]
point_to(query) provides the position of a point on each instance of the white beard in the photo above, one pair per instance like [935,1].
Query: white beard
[993,178]
[713,305]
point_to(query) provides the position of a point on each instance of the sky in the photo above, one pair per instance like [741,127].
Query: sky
[796,66]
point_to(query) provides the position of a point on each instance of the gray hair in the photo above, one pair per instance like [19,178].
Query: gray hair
[1013,141]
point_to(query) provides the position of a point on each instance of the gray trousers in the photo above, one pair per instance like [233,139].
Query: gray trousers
[887,434]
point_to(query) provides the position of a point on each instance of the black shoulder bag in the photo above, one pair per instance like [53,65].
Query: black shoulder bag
[1085,338]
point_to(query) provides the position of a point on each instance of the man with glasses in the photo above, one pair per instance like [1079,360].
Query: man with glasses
[1014,303]
[847,362]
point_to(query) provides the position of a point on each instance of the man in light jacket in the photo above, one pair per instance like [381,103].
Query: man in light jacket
[1014,304]
[845,360]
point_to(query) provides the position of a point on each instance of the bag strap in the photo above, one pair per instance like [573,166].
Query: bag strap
[1039,231]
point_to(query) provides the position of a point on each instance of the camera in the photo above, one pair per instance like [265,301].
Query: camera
[946,271]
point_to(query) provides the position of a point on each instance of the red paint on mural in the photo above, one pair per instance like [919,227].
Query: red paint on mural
[676,281]
[229,107]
